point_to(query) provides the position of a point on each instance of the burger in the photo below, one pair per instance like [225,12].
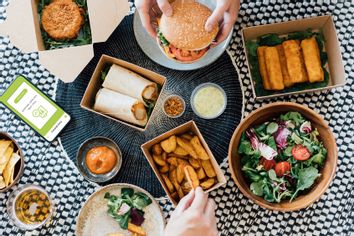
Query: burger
[182,36]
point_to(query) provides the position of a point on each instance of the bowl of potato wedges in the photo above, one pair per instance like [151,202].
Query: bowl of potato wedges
[182,161]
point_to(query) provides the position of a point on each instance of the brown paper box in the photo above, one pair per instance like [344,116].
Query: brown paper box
[189,126]
[332,47]
[23,28]
[88,100]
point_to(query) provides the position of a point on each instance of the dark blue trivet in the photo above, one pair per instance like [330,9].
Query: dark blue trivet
[135,168]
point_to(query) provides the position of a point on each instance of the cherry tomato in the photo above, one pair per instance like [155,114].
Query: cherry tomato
[300,153]
[267,164]
[282,167]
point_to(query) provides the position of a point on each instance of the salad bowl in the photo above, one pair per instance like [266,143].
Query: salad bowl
[326,172]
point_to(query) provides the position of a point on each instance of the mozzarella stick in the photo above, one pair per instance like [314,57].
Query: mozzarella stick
[263,68]
[284,69]
[294,61]
[312,59]
[274,68]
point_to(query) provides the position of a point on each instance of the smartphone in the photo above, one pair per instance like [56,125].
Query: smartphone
[35,108]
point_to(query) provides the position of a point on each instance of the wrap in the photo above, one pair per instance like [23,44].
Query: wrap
[294,61]
[312,59]
[263,68]
[131,84]
[120,106]
[284,69]
[274,68]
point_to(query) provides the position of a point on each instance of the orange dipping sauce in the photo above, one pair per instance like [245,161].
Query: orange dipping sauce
[100,160]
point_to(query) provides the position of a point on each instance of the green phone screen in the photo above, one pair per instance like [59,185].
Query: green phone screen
[35,108]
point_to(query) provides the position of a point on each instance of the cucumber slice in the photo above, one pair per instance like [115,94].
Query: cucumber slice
[272,127]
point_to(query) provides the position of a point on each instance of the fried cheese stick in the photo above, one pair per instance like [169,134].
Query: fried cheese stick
[284,69]
[263,68]
[294,61]
[274,68]
[312,59]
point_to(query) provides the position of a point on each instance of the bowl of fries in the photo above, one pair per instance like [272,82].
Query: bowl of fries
[11,162]
[182,160]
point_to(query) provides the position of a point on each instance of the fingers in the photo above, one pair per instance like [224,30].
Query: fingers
[146,21]
[210,208]
[224,32]
[184,203]
[200,200]
[165,7]
[217,15]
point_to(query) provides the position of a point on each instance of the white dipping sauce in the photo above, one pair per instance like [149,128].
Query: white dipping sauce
[209,101]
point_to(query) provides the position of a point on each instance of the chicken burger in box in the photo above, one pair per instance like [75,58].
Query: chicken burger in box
[182,36]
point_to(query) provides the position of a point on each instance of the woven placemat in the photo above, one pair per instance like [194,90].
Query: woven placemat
[48,164]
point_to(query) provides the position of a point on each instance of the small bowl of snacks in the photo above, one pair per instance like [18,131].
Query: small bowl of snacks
[99,159]
[11,162]
[182,160]
[283,156]
[208,101]
[174,106]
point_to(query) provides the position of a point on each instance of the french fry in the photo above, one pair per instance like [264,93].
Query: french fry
[207,183]
[169,145]
[156,149]
[201,173]
[173,161]
[187,146]
[199,149]
[208,168]
[168,183]
[164,169]
[159,160]
[191,176]
[195,163]
[180,173]
[136,229]
[180,151]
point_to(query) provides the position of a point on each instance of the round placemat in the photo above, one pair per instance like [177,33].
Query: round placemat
[135,168]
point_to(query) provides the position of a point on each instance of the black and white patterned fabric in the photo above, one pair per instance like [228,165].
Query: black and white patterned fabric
[48,165]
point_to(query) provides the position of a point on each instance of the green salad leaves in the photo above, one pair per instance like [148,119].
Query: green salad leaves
[294,169]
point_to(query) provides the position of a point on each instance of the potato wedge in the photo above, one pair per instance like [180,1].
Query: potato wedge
[170,144]
[199,149]
[207,183]
[191,176]
[180,192]
[164,169]
[156,149]
[180,173]
[172,161]
[201,173]
[182,162]
[159,160]
[186,188]
[195,163]
[174,196]
[136,229]
[208,168]
[187,146]
[180,151]
[187,136]
[173,176]
[168,183]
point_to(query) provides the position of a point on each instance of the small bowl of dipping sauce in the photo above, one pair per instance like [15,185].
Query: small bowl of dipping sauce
[99,159]
[208,100]
[174,106]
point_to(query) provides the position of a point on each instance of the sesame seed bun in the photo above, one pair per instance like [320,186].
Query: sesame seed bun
[185,29]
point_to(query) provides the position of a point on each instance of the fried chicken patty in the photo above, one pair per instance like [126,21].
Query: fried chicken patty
[62,19]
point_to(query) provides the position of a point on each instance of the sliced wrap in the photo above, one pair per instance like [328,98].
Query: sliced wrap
[129,83]
[120,106]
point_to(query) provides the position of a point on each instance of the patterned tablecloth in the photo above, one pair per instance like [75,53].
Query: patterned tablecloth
[48,164]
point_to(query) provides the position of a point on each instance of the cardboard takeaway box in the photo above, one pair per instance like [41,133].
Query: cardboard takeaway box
[332,47]
[88,100]
[186,127]
[23,28]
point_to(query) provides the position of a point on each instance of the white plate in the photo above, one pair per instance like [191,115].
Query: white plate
[93,219]
[152,50]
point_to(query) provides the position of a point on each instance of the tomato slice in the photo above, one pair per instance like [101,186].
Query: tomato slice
[300,153]
[186,55]
[282,167]
[267,164]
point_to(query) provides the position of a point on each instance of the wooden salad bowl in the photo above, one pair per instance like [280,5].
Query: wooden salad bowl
[264,114]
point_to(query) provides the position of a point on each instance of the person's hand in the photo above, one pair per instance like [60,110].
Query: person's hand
[194,215]
[225,15]
[149,10]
